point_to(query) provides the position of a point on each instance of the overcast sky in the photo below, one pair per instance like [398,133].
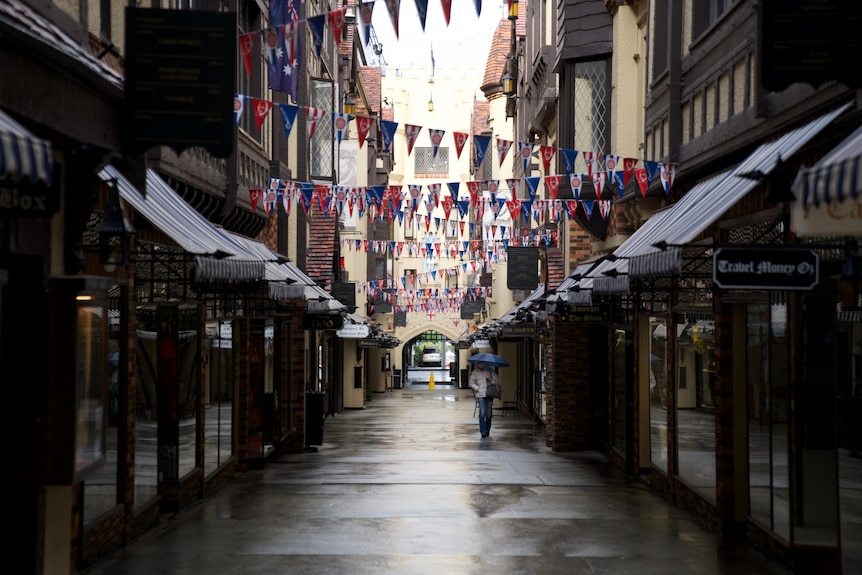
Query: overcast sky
[463,44]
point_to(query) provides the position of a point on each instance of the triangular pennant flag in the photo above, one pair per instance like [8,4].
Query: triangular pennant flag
[414,192]
[513,186]
[619,180]
[591,159]
[482,143]
[571,208]
[394,6]
[261,110]
[527,209]
[576,181]
[322,192]
[336,24]
[463,207]
[411,131]
[533,185]
[387,129]
[605,209]
[478,4]
[588,208]
[547,154]
[288,117]
[447,9]
[436,138]
[651,170]
[599,181]
[642,179]
[363,125]
[525,150]
[238,105]
[305,193]
[434,194]
[460,140]
[366,14]
[255,196]
[340,124]
[313,115]
[315,24]
[246,46]
[422,9]
[668,171]
[454,188]
[502,149]
[612,164]
[629,164]
[553,185]
[569,158]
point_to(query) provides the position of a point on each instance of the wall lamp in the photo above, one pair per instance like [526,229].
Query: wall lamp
[114,228]
[349,106]
[431,103]
[512,13]
[508,83]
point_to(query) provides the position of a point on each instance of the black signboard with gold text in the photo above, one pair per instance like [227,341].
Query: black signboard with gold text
[585,314]
[179,89]
[523,268]
[322,321]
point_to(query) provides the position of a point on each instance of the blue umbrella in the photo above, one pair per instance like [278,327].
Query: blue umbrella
[491,359]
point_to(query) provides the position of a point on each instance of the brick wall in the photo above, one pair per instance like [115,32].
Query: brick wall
[568,419]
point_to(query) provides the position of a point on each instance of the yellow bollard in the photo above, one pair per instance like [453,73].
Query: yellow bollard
[431,381]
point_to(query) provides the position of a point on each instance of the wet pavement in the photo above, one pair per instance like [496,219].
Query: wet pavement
[407,486]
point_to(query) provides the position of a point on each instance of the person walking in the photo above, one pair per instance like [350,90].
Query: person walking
[480,378]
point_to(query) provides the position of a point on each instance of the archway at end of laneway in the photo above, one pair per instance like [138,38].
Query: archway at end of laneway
[440,334]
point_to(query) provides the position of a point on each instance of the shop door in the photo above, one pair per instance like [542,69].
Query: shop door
[598,378]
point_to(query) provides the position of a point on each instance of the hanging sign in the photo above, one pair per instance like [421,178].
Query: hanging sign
[179,88]
[585,313]
[523,268]
[353,331]
[763,268]
[322,321]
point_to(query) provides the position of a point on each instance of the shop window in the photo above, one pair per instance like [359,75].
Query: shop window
[621,370]
[766,377]
[658,392]
[218,395]
[695,401]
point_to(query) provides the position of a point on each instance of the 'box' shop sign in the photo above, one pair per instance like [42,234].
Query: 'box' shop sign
[770,269]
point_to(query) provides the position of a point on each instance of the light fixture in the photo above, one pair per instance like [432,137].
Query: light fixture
[349,106]
[508,84]
[431,103]
[114,225]
[513,10]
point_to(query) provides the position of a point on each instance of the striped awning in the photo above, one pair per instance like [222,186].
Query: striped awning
[23,156]
[218,256]
[834,178]
[655,249]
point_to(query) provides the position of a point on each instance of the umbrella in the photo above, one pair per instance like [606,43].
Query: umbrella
[491,359]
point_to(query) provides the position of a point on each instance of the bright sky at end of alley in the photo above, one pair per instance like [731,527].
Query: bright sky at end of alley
[463,44]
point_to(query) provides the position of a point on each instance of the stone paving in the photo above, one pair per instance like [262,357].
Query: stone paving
[407,486]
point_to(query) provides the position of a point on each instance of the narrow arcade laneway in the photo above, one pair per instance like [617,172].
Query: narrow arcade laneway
[406,486]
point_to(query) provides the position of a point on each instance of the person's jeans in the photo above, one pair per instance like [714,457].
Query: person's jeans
[486,410]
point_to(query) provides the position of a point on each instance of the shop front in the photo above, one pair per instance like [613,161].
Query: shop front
[727,356]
